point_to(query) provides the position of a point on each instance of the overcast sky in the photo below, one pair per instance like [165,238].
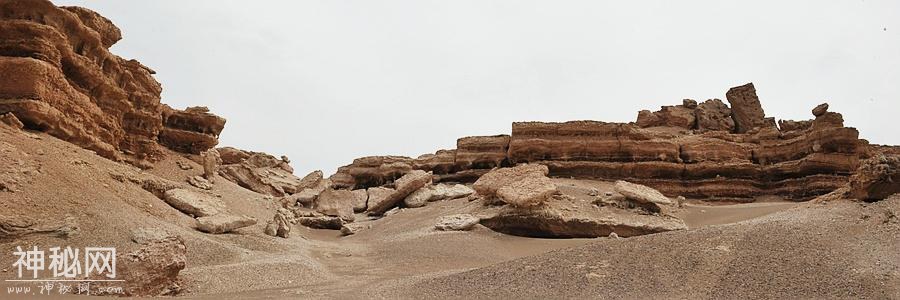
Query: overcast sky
[327,81]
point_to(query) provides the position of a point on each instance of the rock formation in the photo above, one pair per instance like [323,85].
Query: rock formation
[707,150]
[223,223]
[69,85]
[152,270]
[404,186]
[561,217]
[260,172]
[877,178]
[746,110]
[280,225]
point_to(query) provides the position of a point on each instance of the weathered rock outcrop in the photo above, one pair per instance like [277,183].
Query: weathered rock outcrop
[474,156]
[714,115]
[747,112]
[336,203]
[69,85]
[262,173]
[707,150]
[561,217]
[877,178]
[491,183]
[381,202]
[153,269]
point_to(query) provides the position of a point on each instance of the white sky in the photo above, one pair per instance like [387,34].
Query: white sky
[328,81]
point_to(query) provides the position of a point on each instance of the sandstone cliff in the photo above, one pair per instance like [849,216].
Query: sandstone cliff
[707,150]
[59,77]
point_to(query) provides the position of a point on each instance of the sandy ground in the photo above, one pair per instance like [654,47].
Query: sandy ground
[757,250]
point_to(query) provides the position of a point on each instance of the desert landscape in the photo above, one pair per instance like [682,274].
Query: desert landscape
[705,199]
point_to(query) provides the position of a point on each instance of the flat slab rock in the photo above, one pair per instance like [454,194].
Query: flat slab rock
[223,223]
[565,217]
[437,192]
[460,222]
[194,203]
[384,199]
[641,193]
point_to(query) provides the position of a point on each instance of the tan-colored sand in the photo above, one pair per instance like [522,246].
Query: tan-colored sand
[776,250]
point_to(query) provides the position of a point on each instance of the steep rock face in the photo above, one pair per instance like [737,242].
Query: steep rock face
[371,171]
[69,85]
[192,130]
[481,152]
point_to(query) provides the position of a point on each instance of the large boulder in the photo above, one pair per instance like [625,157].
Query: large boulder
[405,185]
[490,183]
[223,223]
[747,112]
[360,197]
[641,193]
[877,178]
[321,222]
[194,203]
[211,162]
[820,110]
[336,203]
[280,225]
[523,185]
[377,195]
[529,191]
[307,196]
[311,180]
[564,217]
[263,173]
[668,116]
[714,115]
[152,270]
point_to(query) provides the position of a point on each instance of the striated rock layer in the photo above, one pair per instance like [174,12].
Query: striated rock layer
[707,150]
[69,85]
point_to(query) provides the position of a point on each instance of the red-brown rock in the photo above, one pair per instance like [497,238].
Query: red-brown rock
[69,85]
[747,112]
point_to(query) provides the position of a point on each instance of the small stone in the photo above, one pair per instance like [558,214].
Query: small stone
[184,165]
[460,222]
[613,235]
[270,229]
[200,182]
[11,120]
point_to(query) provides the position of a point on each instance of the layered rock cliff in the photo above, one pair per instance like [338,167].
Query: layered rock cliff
[707,150]
[59,77]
